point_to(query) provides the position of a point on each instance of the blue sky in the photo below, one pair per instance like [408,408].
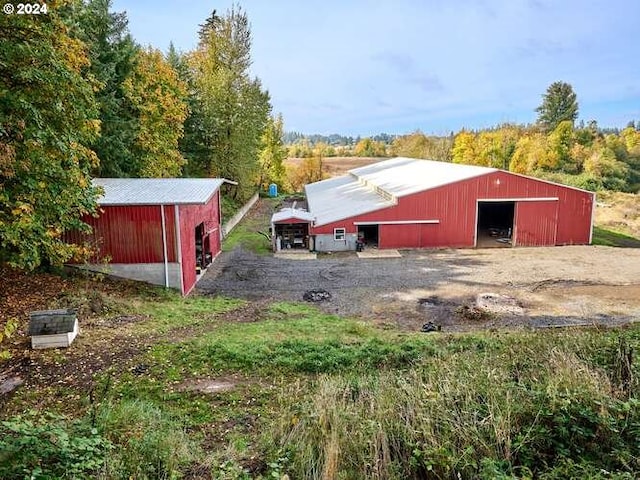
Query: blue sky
[363,67]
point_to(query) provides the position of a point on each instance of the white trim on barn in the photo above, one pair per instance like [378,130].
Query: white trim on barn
[593,213]
[396,222]
[519,199]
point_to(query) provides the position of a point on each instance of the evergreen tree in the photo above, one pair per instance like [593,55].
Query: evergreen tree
[112,53]
[559,104]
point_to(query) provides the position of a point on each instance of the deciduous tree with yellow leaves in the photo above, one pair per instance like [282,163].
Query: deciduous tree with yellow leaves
[158,96]
[49,115]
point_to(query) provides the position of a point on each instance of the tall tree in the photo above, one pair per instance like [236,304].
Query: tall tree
[112,52]
[418,145]
[465,148]
[273,152]
[195,141]
[49,116]
[559,104]
[235,108]
[157,95]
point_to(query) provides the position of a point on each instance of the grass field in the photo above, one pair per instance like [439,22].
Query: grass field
[208,387]
[335,166]
[229,389]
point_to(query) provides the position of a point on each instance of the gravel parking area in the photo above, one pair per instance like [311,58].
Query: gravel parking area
[558,286]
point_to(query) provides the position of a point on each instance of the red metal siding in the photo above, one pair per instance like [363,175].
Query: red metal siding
[455,206]
[190,217]
[536,223]
[397,236]
[130,234]
[408,236]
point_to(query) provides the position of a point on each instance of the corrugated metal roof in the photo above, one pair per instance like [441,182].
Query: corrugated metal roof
[376,186]
[404,176]
[287,213]
[157,191]
[342,197]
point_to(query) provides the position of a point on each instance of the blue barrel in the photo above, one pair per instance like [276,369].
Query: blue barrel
[273,190]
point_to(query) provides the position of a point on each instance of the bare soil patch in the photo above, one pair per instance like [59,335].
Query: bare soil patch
[209,385]
[554,286]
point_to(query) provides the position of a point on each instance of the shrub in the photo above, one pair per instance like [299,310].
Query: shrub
[50,447]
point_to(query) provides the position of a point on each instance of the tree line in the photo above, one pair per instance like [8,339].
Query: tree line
[553,148]
[80,98]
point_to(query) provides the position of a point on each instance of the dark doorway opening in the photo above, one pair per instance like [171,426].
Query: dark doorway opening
[495,224]
[292,236]
[203,249]
[368,235]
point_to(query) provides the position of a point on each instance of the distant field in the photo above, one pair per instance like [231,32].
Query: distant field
[335,166]
[618,212]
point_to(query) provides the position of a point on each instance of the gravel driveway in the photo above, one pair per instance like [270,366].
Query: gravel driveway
[557,286]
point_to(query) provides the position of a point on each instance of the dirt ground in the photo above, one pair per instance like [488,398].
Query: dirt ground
[556,286]
[335,166]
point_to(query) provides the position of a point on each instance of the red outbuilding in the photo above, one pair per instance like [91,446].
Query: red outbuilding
[411,203]
[162,231]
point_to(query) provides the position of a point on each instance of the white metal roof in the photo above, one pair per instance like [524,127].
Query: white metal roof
[404,176]
[342,197]
[157,191]
[376,186]
[287,213]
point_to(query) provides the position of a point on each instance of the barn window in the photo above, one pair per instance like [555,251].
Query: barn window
[339,234]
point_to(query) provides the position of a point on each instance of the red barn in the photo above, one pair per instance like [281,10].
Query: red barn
[410,203]
[162,231]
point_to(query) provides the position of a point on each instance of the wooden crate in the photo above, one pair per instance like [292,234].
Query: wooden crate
[53,328]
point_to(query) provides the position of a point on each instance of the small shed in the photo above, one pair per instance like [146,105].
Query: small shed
[290,228]
[164,231]
[53,328]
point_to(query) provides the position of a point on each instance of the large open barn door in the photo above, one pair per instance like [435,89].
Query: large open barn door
[536,223]
[495,224]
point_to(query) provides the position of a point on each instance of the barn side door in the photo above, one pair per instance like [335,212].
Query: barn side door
[214,239]
[536,223]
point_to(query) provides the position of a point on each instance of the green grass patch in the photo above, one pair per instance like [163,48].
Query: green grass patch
[174,311]
[247,237]
[246,233]
[320,396]
[611,238]
[296,338]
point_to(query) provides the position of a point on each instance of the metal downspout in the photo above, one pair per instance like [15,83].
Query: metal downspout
[179,245]
[164,247]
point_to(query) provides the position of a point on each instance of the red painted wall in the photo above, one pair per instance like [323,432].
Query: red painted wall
[190,217]
[133,234]
[536,223]
[130,234]
[454,206]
